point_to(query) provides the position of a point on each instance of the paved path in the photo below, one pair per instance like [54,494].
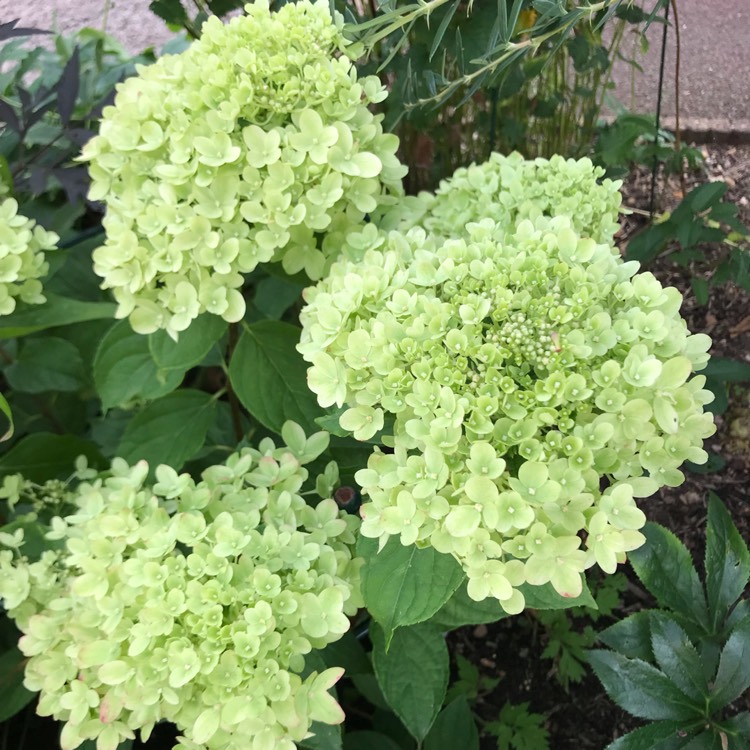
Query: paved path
[715,57]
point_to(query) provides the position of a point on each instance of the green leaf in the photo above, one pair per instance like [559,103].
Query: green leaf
[661,735]
[727,370]
[44,456]
[700,290]
[13,695]
[631,636]
[369,741]
[706,195]
[5,409]
[269,376]
[413,674]
[324,737]
[640,688]
[454,728]
[545,597]
[192,346]
[56,311]
[405,585]
[666,569]
[727,562]
[124,369]
[677,656]
[169,431]
[347,652]
[462,610]
[274,296]
[46,364]
[733,676]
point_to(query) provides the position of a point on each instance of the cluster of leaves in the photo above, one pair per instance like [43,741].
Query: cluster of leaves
[682,666]
[191,602]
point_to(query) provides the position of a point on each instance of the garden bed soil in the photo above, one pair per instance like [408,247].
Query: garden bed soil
[585,717]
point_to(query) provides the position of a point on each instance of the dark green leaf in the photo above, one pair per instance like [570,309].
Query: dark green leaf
[46,364]
[369,741]
[171,11]
[727,370]
[270,377]
[192,346]
[631,636]
[666,569]
[649,243]
[44,456]
[440,33]
[462,610]
[640,688]
[274,296]
[13,695]
[67,87]
[733,677]
[454,728]
[324,737]
[721,399]
[705,196]
[347,652]
[56,311]
[677,656]
[169,431]
[413,674]
[661,735]
[727,562]
[700,290]
[125,370]
[405,585]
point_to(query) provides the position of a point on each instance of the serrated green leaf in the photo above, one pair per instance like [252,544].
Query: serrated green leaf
[454,728]
[269,376]
[170,430]
[666,569]
[125,370]
[462,610]
[661,735]
[405,585]
[413,674]
[677,656]
[727,562]
[42,456]
[192,346]
[13,695]
[640,688]
[46,364]
[733,676]
[631,636]
[56,311]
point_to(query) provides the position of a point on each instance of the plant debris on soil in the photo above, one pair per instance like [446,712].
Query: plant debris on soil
[584,716]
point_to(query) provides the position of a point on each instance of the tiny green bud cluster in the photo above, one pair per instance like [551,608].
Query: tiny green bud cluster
[536,384]
[510,189]
[246,148]
[192,602]
[23,244]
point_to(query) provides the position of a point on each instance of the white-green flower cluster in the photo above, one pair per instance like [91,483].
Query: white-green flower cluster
[23,244]
[244,149]
[190,602]
[509,189]
[536,385]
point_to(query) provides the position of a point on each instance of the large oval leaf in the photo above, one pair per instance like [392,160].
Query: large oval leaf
[44,456]
[55,312]
[270,377]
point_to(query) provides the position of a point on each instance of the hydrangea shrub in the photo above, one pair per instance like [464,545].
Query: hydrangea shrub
[246,148]
[534,382]
[509,189]
[194,602]
[23,244]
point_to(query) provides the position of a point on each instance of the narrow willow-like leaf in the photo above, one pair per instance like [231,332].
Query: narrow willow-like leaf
[5,409]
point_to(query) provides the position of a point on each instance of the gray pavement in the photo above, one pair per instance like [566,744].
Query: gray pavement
[715,54]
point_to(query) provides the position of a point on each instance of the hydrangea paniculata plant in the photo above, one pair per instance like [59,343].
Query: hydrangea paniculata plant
[509,189]
[534,385]
[190,602]
[23,244]
[245,148]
